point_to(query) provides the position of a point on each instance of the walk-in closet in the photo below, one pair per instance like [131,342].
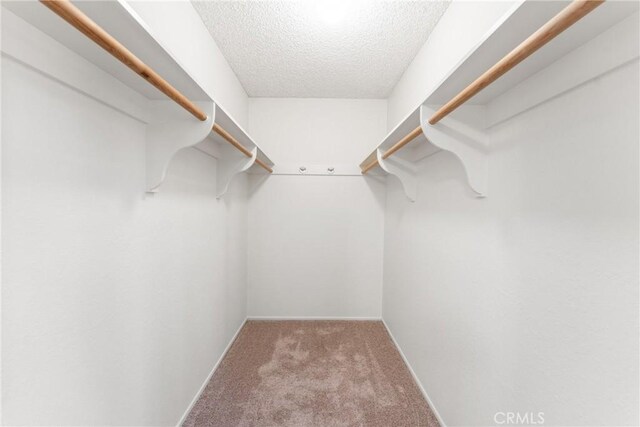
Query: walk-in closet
[320,213]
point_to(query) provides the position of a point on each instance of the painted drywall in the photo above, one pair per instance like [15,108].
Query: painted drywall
[116,305]
[315,242]
[527,301]
[457,32]
[179,28]
[1,275]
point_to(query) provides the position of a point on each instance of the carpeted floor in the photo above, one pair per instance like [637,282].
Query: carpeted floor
[312,373]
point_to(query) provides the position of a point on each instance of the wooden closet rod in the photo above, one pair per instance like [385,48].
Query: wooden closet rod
[395,147]
[556,25]
[74,16]
[231,140]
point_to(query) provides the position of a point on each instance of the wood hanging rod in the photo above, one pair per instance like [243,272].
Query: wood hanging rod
[74,16]
[395,147]
[556,25]
[231,140]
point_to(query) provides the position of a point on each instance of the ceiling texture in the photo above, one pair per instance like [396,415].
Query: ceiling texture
[322,48]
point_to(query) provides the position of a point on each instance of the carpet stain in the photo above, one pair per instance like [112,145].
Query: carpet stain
[312,373]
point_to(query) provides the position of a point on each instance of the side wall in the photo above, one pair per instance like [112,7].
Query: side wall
[527,301]
[315,242]
[177,25]
[459,29]
[115,305]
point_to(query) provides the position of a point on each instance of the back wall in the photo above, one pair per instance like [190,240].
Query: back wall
[315,242]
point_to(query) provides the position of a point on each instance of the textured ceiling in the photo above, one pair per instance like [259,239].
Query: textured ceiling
[294,49]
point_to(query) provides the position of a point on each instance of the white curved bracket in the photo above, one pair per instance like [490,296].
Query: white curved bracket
[402,169]
[170,130]
[467,142]
[234,163]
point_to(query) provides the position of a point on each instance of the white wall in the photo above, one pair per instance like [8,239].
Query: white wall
[457,32]
[1,275]
[179,28]
[315,243]
[115,305]
[527,301]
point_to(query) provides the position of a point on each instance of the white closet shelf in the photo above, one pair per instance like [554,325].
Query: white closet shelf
[403,164]
[169,127]
[464,132]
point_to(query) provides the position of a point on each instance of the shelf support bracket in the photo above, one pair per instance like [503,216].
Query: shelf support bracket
[403,170]
[231,163]
[169,131]
[468,143]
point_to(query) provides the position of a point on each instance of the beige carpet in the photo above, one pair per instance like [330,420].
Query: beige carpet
[312,373]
